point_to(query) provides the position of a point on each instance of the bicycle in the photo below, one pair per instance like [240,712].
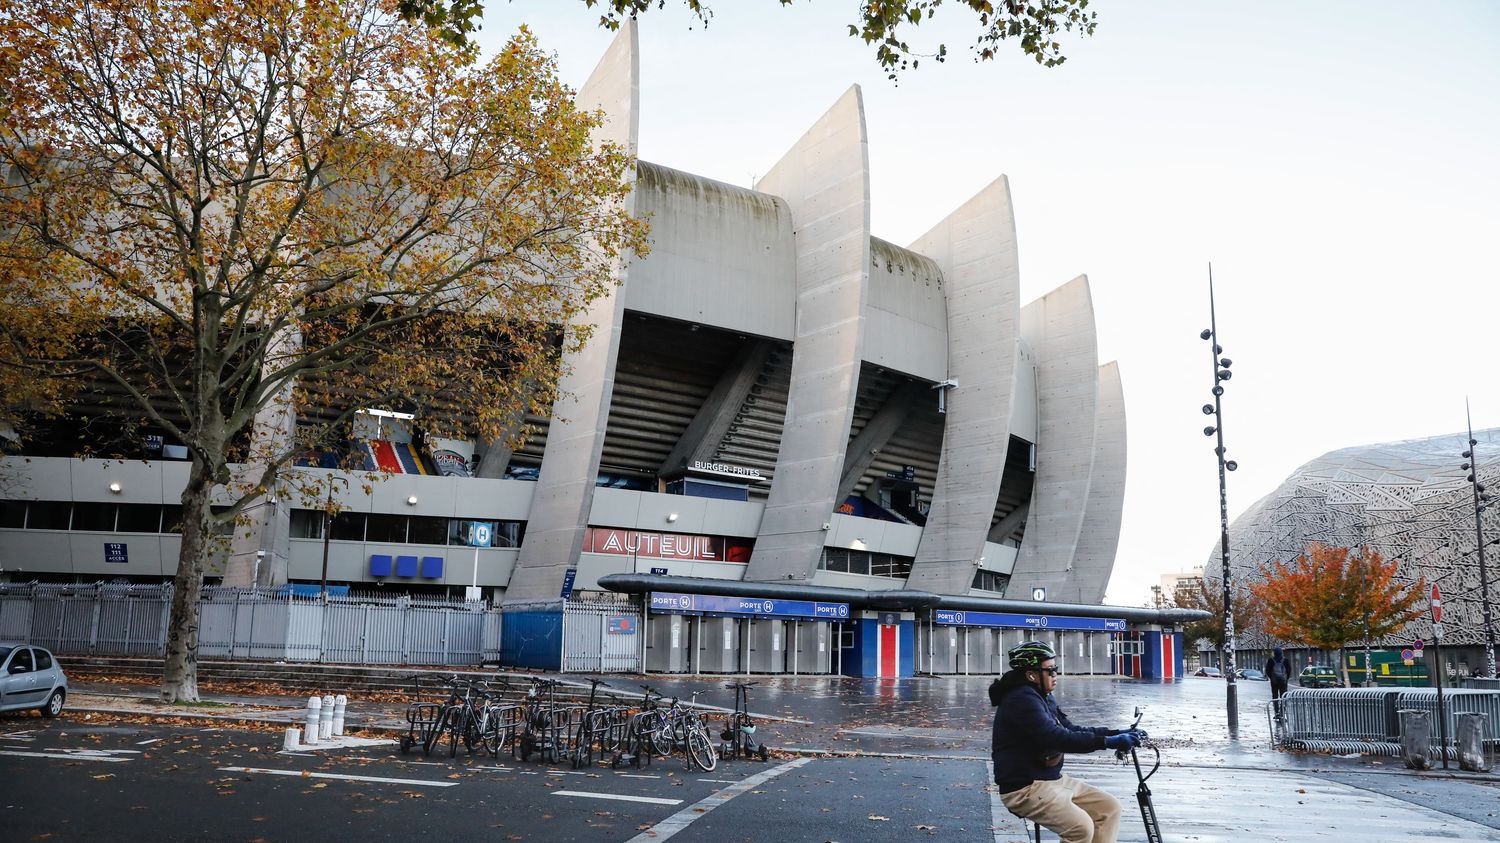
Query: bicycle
[736,741]
[695,738]
[547,726]
[639,743]
[457,718]
[601,727]
[1142,791]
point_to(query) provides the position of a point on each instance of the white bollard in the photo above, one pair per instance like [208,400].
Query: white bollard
[314,711]
[340,703]
[291,740]
[325,719]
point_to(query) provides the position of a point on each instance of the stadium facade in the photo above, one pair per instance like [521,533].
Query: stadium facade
[775,404]
[1410,501]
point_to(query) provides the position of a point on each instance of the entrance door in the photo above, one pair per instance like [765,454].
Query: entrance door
[889,642]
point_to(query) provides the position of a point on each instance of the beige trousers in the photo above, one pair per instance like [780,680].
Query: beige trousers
[1076,811]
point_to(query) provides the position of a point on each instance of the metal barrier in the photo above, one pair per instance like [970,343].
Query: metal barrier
[602,637]
[237,623]
[1367,720]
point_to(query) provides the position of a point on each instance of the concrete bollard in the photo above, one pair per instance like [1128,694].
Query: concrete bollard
[325,719]
[314,712]
[1416,739]
[292,740]
[340,703]
[1471,755]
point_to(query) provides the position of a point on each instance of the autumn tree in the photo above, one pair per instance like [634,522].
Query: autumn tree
[1330,596]
[1034,24]
[1208,595]
[230,221]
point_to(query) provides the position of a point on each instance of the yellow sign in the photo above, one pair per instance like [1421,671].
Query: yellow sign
[1409,662]
[1385,668]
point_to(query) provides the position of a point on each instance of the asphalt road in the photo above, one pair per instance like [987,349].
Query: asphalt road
[74,780]
[83,779]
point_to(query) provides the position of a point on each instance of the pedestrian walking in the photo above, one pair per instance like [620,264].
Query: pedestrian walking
[1030,736]
[1279,671]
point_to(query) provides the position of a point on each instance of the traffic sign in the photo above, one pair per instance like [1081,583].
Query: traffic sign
[1437,605]
[1437,631]
[1407,655]
[1417,645]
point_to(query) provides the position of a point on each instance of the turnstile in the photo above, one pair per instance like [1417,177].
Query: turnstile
[811,647]
[945,650]
[765,642]
[668,644]
[718,645]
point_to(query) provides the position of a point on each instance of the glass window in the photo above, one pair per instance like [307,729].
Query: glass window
[171,518]
[13,514]
[43,659]
[21,662]
[139,518]
[307,523]
[502,533]
[390,529]
[427,530]
[94,516]
[47,515]
[348,527]
[859,562]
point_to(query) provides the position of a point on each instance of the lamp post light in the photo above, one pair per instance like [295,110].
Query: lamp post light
[1216,409]
[1481,503]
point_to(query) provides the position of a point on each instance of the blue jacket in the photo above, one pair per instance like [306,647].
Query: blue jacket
[1031,734]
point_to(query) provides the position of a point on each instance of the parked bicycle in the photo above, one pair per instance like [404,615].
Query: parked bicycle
[601,727]
[547,726]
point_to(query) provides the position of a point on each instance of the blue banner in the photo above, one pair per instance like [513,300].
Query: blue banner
[702,604]
[954,617]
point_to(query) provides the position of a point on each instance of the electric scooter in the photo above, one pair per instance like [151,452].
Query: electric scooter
[1142,792]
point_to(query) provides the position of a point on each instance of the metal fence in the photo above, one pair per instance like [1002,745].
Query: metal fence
[602,637]
[1368,719]
[131,620]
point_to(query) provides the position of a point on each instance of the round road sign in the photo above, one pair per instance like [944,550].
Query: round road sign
[1417,645]
[1407,655]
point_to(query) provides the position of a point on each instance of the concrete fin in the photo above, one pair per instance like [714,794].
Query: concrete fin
[1060,328]
[1099,537]
[976,249]
[825,180]
[575,436]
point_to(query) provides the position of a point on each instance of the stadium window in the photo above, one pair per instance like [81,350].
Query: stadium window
[389,529]
[139,518]
[47,515]
[171,518]
[427,530]
[96,517]
[307,523]
[348,527]
[13,514]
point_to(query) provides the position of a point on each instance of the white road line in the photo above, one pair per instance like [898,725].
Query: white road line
[144,743]
[649,800]
[339,776]
[66,756]
[721,781]
[1000,816]
[680,820]
[639,776]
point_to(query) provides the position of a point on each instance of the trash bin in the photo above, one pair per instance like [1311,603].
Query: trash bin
[1416,738]
[1471,754]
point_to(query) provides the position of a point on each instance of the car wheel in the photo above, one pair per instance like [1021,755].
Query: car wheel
[54,704]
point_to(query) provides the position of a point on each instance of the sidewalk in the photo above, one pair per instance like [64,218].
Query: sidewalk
[1210,787]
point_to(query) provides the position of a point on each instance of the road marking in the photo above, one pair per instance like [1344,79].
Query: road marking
[427,763]
[144,743]
[340,776]
[721,781]
[649,800]
[67,756]
[680,820]
[639,776]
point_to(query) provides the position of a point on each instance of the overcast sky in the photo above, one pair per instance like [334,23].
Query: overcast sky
[1336,161]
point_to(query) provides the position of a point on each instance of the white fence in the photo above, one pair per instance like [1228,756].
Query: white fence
[131,620]
[602,637]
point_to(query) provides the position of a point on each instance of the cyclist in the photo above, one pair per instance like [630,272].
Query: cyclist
[1030,736]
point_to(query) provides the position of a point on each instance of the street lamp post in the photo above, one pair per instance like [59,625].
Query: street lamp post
[1216,409]
[1481,503]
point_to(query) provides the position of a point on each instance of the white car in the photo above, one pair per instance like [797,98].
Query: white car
[31,678]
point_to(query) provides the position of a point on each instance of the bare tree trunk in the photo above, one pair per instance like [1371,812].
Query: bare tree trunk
[179,681]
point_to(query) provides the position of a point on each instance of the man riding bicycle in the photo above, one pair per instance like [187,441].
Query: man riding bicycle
[1030,736]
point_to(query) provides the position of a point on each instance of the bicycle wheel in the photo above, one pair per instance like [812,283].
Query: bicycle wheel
[458,730]
[701,751]
[661,739]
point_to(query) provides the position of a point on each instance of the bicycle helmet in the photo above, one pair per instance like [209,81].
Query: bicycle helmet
[1029,655]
